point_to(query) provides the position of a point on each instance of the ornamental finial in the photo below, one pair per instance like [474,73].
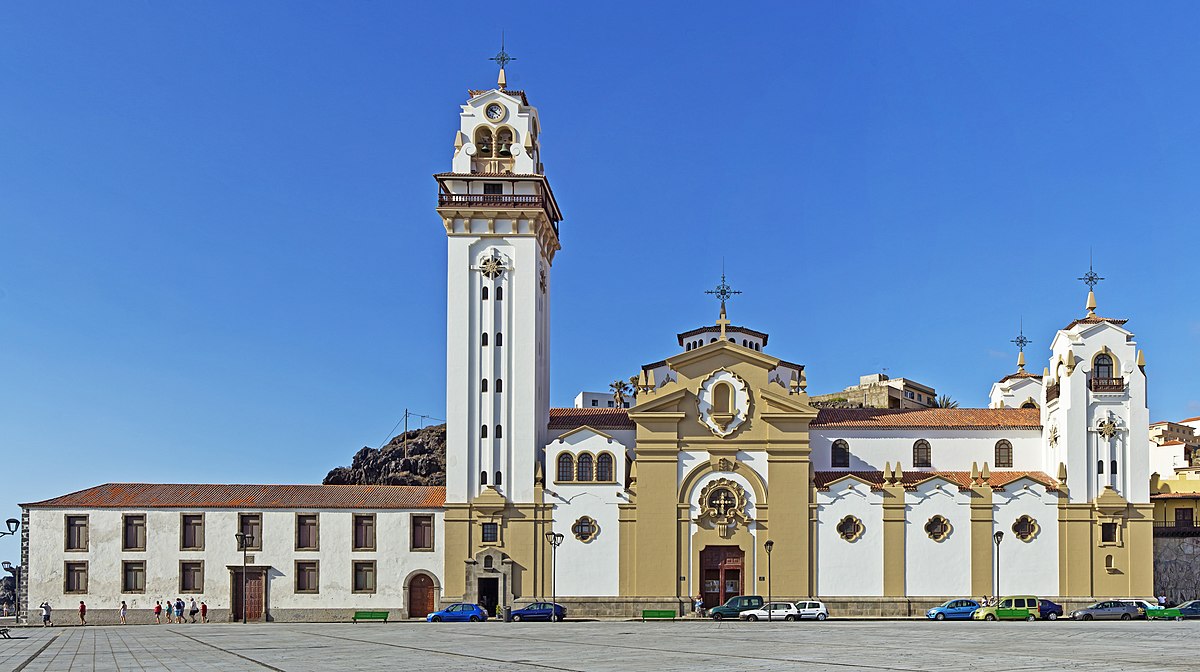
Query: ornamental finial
[502,59]
[1091,279]
[723,292]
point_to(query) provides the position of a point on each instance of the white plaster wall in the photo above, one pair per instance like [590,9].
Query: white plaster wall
[1027,567]
[849,568]
[1165,459]
[933,567]
[1015,392]
[394,559]
[952,450]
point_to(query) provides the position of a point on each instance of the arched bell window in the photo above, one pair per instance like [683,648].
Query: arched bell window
[566,467]
[504,141]
[483,142]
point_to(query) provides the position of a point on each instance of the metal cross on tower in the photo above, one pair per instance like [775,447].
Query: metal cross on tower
[723,292]
[1091,278]
[1020,340]
[502,58]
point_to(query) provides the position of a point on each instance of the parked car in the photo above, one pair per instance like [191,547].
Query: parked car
[772,611]
[953,609]
[1143,606]
[540,611]
[734,606]
[1109,609]
[1015,608]
[813,609]
[1049,611]
[461,611]
[1189,609]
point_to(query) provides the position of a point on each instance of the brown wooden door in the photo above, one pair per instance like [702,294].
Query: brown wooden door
[420,596]
[255,594]
[721,572]
[1183,518]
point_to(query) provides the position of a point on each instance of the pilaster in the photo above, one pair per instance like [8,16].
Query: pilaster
[982,553]
[893,540]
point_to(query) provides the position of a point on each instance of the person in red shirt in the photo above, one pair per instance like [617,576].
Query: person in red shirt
[158,612]
[82,613]
[204,612]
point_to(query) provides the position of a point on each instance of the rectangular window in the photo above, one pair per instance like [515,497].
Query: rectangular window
[250,524]
[491,532]
[133,537]
[364,576]
[192,533]
[75,577]
[307,577]
[493,188]
[191,576]
[133,577]
[595,402]
[306,532]
[1108,533]
[364,531]
[422,533]
[77,533]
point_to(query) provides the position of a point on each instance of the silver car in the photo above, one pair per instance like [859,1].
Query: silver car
[1111,609]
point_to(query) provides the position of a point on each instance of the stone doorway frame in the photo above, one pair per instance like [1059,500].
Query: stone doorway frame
[500,568]
[437,589]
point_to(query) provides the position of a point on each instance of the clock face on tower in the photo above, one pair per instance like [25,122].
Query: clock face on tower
[494,111]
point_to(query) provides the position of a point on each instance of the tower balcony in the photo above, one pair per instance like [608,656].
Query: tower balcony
[1052,391]
[1107,384]
[491,200]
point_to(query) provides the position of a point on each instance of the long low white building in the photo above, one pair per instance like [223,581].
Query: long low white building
[312,552]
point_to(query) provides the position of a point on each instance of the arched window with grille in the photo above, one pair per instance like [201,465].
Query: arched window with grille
[566,467]
[1102,367]
[839,455]
[584,470]
[604,467]
[922,454]
[1004,454]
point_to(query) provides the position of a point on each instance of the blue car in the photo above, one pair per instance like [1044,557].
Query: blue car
[540,611]
[953,609]
[459,612]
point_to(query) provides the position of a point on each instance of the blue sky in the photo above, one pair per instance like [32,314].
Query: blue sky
[219,258]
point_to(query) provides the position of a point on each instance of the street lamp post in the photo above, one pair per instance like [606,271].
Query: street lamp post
[998,537]
[13,525]
[769,545]
[16,572]
[244,540]
[555,540]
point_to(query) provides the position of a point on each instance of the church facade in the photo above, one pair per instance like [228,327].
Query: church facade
[721,479]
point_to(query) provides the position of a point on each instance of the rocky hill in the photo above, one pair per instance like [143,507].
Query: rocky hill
[8,592]
[424,463]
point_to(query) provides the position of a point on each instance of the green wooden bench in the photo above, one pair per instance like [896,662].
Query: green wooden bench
[370,616]
[659,613]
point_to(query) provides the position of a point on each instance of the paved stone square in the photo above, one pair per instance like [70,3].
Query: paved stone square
[610,645]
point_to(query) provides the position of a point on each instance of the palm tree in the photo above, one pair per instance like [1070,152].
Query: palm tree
[633,385]
[944,401]
[619,389]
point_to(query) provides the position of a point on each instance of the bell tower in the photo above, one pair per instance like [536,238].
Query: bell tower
[501,223]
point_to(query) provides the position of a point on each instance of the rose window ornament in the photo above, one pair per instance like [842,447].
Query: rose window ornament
[492,267]
[850,528]
[938,528]
[723,504]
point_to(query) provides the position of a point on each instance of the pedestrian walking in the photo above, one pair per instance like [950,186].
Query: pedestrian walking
[46,614]
[179,610]
[203,612]
[124,608]
[699,605]
[158,612]
[82,613]
[1162,601]
[193,610]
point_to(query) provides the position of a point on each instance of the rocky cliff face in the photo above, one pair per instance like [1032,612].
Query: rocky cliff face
[8,592]
[424,463]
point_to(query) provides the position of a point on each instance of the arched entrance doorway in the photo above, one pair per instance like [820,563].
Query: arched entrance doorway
[420,596]
[723,570]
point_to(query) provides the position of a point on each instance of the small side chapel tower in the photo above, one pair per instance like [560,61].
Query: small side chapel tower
[501,224]
[1096,428]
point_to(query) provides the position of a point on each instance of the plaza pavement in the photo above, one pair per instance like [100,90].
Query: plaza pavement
[843,646]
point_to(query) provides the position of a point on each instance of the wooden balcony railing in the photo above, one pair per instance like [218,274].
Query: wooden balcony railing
[1052,391]
[1107,384]
[1176,528]
[492,200]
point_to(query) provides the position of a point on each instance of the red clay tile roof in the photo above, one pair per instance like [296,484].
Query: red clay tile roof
[1189,419]
[1173,443]
[910,479]
[562,419]
[930,418]
[1096,319]
[1021,374]
[1176,495]
[166,495]
[513,93]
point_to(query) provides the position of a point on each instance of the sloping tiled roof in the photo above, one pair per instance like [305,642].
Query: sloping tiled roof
[514,93]
[167,495]
[562,419]
[1176,495]
[930,418]
[1021,374]
[910,479]
[1190,419]
[1096,319]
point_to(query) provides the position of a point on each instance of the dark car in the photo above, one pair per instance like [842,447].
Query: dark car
[1049,611]
[540,611]
[1109,609]
[734,606]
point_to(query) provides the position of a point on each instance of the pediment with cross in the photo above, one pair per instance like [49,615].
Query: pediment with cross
[723,504]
